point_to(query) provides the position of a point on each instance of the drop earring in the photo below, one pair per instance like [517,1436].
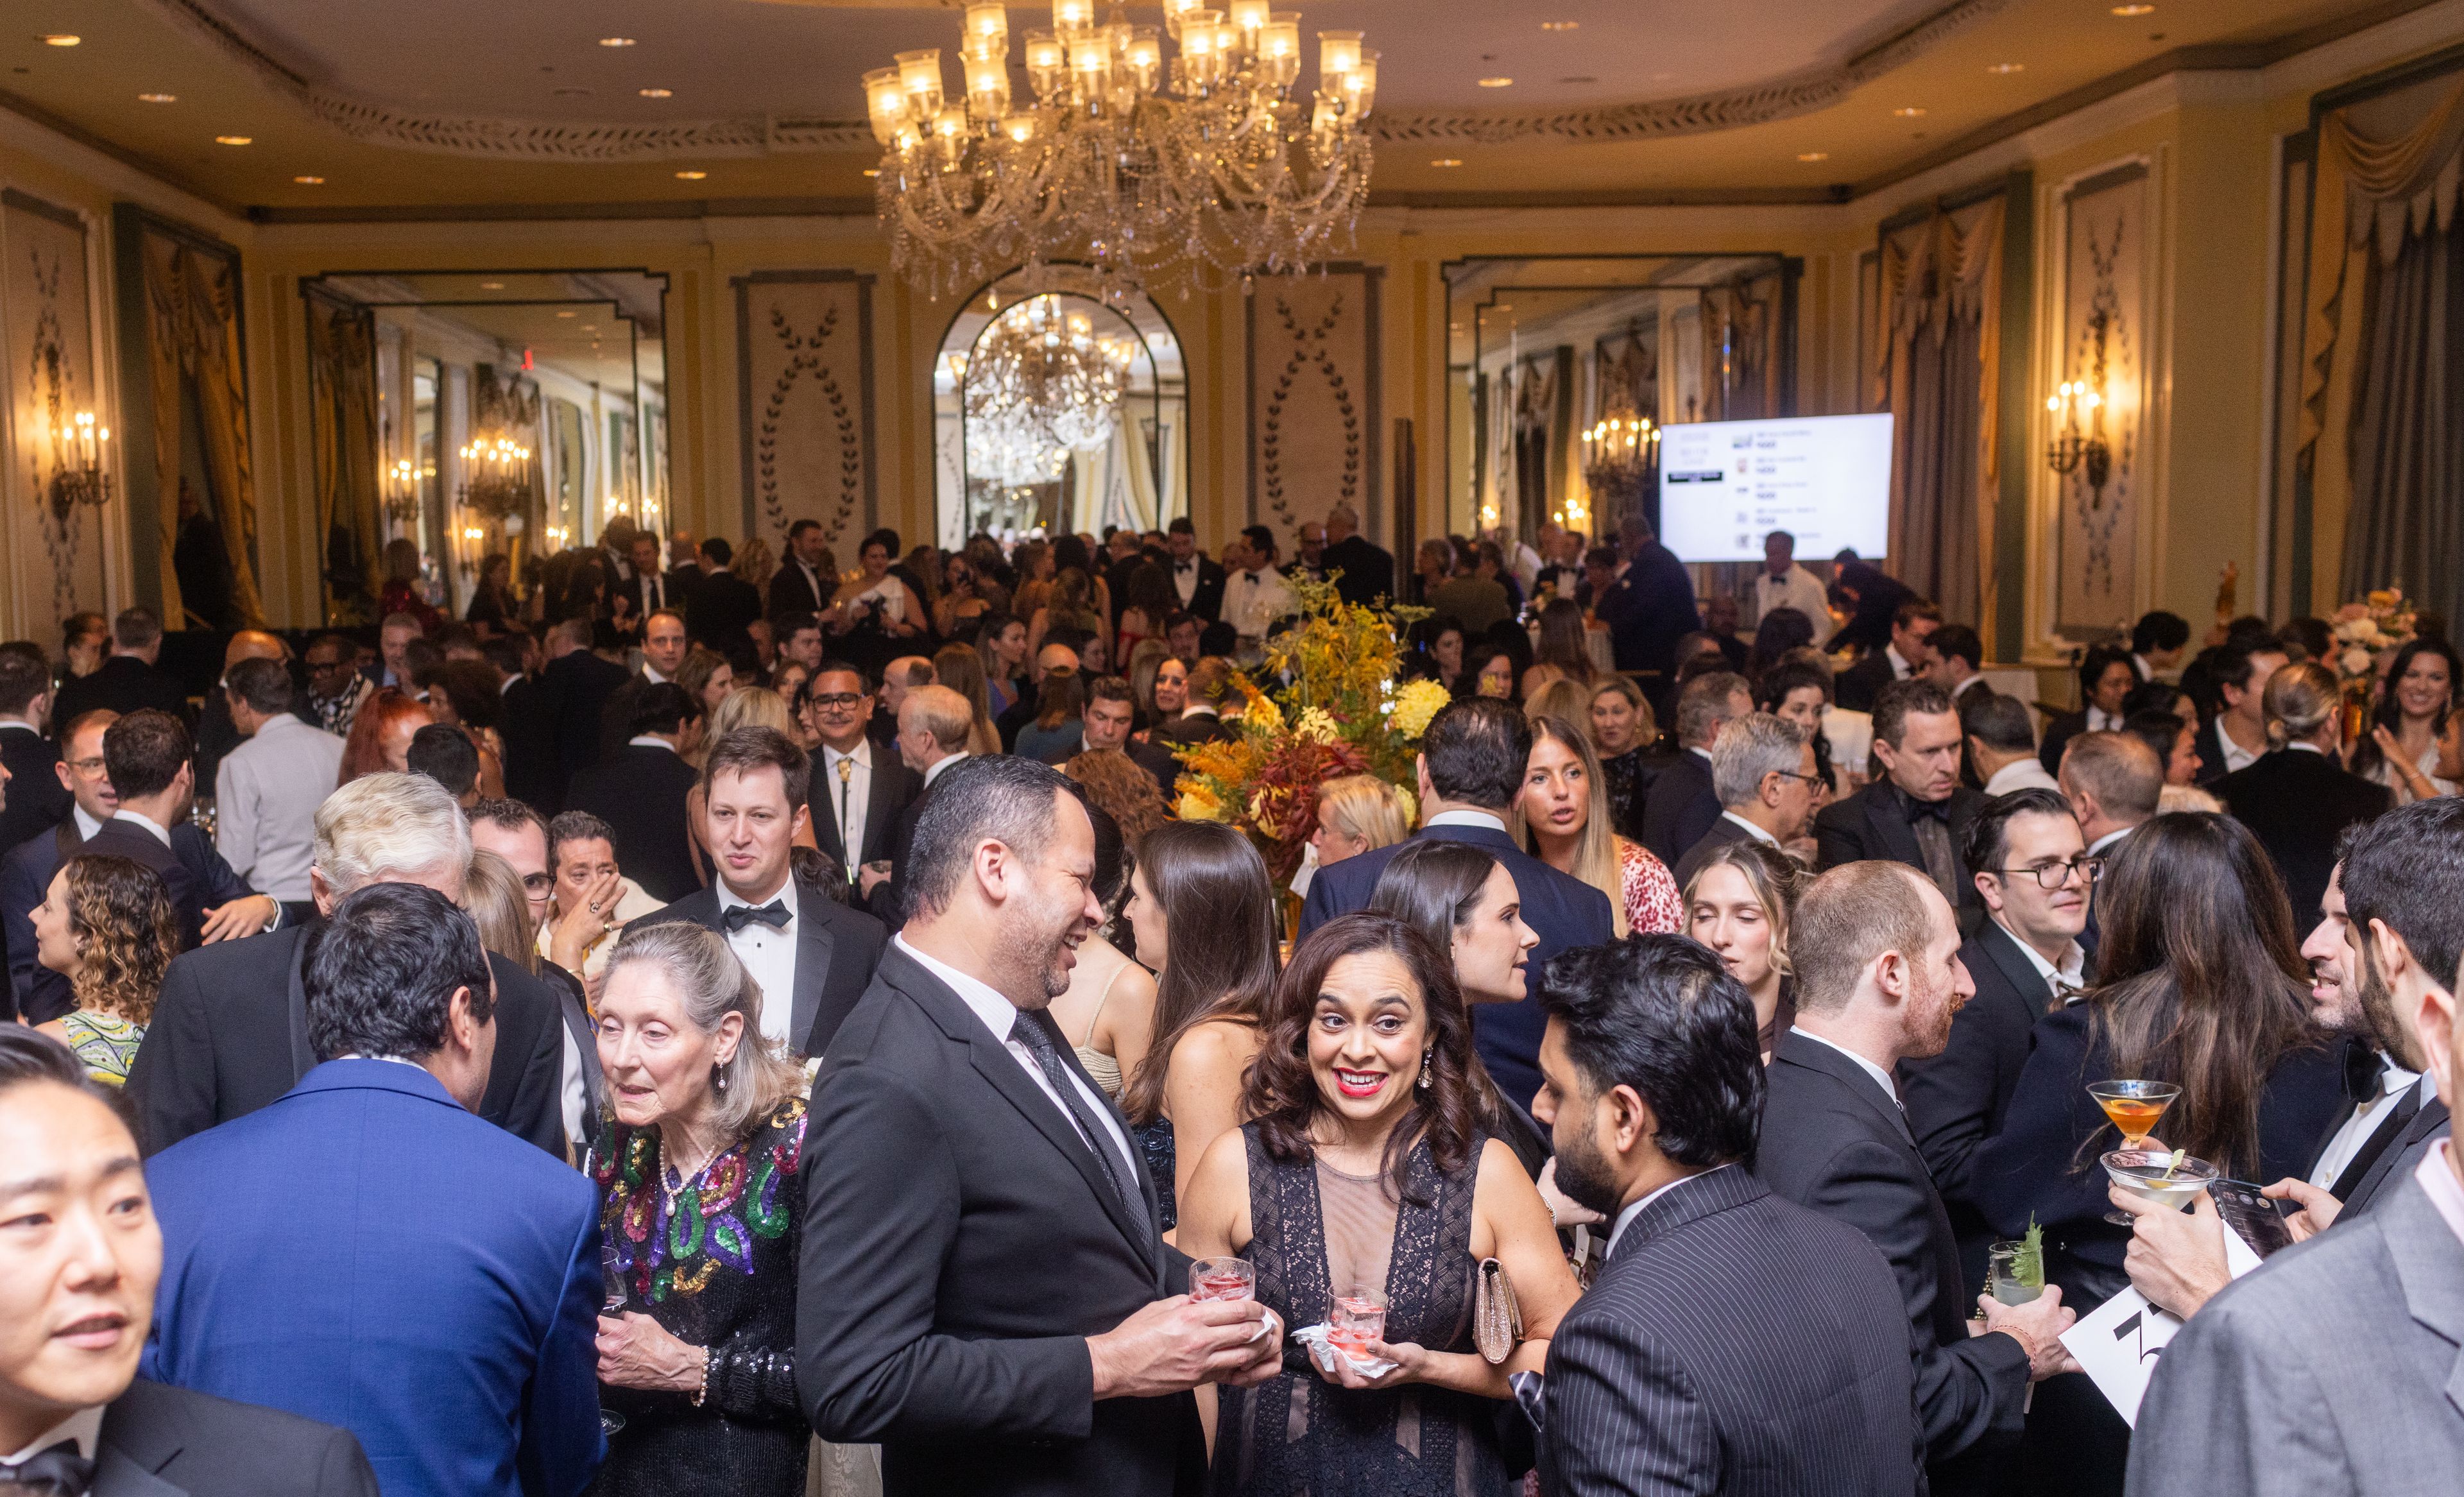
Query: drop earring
[1424,1069]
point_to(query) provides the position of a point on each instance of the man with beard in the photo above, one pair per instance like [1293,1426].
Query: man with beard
[983,1292]
[1878,978]
[1664,1377]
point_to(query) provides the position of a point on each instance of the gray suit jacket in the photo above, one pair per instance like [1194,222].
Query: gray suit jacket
[2334,1369]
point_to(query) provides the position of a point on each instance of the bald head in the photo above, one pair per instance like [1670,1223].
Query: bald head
[1054,657]
[253,644]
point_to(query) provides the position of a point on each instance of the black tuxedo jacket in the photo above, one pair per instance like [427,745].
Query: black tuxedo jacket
[894,789]
[649,595]
[1833,1141]
[1871,824]
[230,1035]
[1649,609]
[791,591]
[124,684]
[1680,808]
[721,611]
[121,839]
[2210,744]
[574,1009]
[836,952]
[574,691]
[1368,571]
[37,993]
[1854,687]
[158,1440]
[639,791]
[1956,1100]
[36,799]
[1722,832]
[2295,803]
[1207,602]
[1564,911]
[960,1243]
[2396,1162]
[1188,731]
[2059,734]
[531,771]
[1672,1375]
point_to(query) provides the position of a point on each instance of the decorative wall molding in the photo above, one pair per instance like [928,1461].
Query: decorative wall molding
[1313,396]
[805,401]
[50,374]
[2105,274]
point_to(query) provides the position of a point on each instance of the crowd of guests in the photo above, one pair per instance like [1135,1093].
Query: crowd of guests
[703,1023]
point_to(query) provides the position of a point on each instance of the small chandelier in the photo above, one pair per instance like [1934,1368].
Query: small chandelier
[1621,456]
[77,448]
[1209,163]
[402,491]
[1040,386]
[498,479]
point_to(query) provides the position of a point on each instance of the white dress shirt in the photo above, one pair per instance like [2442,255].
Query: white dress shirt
[1800,590]
[812,580]
[1001,1016]
[2021,773]
[2367,1118]
[846,779]
[2099,720]
[2064,979]
[1253,600]
[162,833]
[1465,818]
[934,771]
[266,795]
[2097,848]
[86,825]
[1751,830]
[1881,1077]
[769,956]
[1184,580]
[84,1426]
[2237,756]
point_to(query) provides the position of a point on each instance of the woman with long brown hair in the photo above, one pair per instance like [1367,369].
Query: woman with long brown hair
[1366,1176]
[1564,652]
[962,669]
[1202,915]
[2199,982]
[1562,817]
[107,925]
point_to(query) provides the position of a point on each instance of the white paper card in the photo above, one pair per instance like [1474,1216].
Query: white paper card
[2117,1347]
[2239,1256]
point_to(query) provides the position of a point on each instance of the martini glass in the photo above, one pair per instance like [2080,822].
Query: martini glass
[2133,1107]
[2169,1179]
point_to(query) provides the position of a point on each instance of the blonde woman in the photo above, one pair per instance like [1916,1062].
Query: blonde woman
[1739,904]
[493,896]
[1554,820]
[1357,814]
[1624,734]
[754,563]
[962,669]
[2299,795]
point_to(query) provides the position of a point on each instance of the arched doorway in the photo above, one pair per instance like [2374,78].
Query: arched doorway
[1056,408]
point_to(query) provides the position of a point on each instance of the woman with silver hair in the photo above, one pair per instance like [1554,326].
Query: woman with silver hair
[701,1217]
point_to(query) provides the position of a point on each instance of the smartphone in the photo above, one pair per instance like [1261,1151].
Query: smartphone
[2251,1215]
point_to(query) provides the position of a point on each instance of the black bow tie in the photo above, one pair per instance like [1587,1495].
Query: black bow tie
[773,914]
[2364,1071]
[1939,810]
[1185,566]
[57,1469]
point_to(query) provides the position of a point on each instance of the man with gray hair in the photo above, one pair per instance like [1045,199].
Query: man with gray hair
[1683,806]
[267,790]
[229,1032]
[1762,770]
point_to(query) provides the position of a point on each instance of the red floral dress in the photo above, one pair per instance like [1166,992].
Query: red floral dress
[1647,891]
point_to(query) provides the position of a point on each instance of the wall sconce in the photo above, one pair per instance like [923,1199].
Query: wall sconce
[402,492]
[2074,448]
[78,446]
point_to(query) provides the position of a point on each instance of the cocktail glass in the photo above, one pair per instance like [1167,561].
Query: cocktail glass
[1358,1318]
[2134,1107]
[2002,1277]
[1223,1279]
[2170,1178]
[612,1294]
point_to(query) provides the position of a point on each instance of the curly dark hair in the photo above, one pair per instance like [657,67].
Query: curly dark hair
[126,932]
[1281,1091]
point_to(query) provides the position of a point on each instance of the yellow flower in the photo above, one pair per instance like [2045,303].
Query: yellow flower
[1315,724]
[1414,705]
[1198,804]
[1410,805]
[1264,714]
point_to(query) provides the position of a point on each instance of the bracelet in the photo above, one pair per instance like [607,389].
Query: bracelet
[703,1390]
[2026,1342]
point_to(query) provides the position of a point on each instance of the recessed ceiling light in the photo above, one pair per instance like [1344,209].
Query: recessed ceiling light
[2008,67]
[565,314]
[1559,26]
[309,181]
[1813,156]
[570,93]
[658,93]
[2133,10]
[615,41]
[158,99]
[1447,161]
[232,140]
[872,171]
[492,285]
[1497,82]
[1910,112]
[61,39]
[691,176]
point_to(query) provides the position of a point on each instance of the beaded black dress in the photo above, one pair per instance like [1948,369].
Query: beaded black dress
[714,1264]
[1316,1229]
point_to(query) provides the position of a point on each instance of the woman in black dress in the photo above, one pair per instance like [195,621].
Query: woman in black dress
[700,1217]
[1366,1167]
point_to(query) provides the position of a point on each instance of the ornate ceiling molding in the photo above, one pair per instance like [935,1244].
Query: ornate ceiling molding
[532,140]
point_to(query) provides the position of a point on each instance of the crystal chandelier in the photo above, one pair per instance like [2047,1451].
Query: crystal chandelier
[1210,164]
[1039,385]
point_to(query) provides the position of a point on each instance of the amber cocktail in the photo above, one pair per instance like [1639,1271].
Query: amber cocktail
[2134,1107]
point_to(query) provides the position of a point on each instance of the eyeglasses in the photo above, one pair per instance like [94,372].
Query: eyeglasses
[539,882]
[87,766]
[835,698]
[1791,774]
[2054,875]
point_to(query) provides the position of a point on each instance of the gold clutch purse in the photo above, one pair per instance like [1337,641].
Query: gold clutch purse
[1496,1319]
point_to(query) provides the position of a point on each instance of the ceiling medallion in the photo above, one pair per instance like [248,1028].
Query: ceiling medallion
[1211,165]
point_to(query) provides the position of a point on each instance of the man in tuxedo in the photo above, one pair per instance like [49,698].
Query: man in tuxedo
[230,1033]
[438,1283]
[1762,769]
[147,754]
[2236,737]
[1366,569]
[862,786]
[1783,584]
[573,696]
[529,732]
[1196,579]
[1910,653]
[2033,872]
[639,790]
[795,940]
[2001,744]
[1201,712]
[802,585]
[1664,1377]
[1878,978]
[1650,606]
[983,1292]
[79,1267]
[2299,796]
[1112,710]
[1918,812]
[1470,769]
[664,648]
[647,590]
[935,724]
[37,993]
[2334,1368]
[130,679]
[1684,804]
[722,608]
[31,796]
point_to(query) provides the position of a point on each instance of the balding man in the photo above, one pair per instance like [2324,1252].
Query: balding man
[1049,659]
[935,723]
[229,1032]
[2113,781]
[1367,570]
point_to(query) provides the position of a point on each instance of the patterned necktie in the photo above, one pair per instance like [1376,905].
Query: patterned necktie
[1034,1031]
[773,914]
[58,1469]
[854,855]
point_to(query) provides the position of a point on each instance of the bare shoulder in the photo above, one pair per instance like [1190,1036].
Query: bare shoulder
[1218,1042]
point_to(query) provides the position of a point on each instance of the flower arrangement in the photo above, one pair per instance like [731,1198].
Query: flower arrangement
[1336,712]
[2381,622]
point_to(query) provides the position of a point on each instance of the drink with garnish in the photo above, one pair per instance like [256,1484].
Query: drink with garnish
[2169,1178]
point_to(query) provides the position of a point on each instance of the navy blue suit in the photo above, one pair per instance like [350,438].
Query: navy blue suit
[366,1253]
[1564,911]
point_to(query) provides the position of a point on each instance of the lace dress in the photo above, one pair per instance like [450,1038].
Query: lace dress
[716,1268]
[1317,1231]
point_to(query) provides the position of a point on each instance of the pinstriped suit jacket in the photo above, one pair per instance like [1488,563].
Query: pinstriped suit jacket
[1737,1344]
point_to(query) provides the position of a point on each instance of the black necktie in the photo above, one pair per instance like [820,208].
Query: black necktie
[57,1469]
[1035,1031]
[773,914]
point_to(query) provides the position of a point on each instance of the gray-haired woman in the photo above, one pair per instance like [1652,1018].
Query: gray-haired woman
[700,1214]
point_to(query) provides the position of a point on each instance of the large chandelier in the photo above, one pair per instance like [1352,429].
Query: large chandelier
[498,470]
[1040,386]
[1211,164]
